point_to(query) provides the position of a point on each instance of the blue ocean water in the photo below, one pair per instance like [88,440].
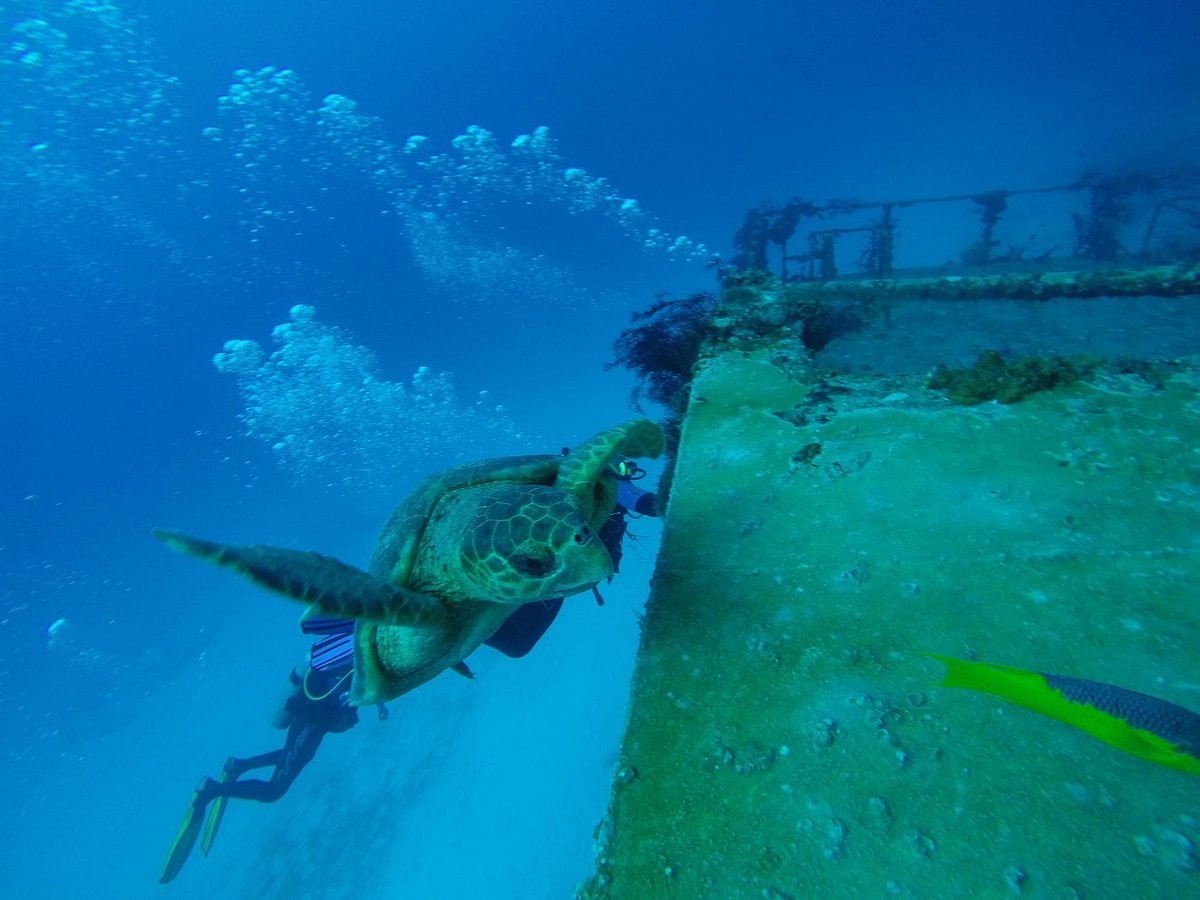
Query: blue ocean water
[453,208]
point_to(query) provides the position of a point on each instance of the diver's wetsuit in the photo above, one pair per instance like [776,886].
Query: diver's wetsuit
[319,706]
[525,627]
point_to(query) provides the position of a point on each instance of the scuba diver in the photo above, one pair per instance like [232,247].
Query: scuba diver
[525,627]
[317,705]
[319,699]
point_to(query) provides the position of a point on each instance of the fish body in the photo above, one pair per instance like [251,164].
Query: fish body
[1139,724]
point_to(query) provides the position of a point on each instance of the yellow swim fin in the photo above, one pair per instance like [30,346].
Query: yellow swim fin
[185,837]
[212,823]
[1139,724]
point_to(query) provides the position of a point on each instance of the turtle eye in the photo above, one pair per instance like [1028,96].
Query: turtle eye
[583,536]
[535,565]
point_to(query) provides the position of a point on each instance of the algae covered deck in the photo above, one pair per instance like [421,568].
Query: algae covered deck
[786,736]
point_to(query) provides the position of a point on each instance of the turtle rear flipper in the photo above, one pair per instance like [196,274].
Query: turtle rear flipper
[332,586]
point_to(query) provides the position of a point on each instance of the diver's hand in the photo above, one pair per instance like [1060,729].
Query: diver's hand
[382,710]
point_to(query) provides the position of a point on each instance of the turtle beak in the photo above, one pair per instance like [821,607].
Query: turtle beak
[584,566]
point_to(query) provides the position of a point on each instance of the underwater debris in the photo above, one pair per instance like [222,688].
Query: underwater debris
[664,348]
[768,224]
[750,242]
[662,352]
[824,320]
[784,227]
[754,304]
[879,253]
[805,456]
[991,378]
[1098,233]
[1177,245]
[991,206]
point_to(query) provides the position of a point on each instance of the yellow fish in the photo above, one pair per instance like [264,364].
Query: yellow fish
[1136,723]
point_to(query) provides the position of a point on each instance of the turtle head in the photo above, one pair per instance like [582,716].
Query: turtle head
[530,542]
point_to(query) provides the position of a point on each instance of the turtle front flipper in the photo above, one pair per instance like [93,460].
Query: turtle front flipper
[581,471]
[332,586]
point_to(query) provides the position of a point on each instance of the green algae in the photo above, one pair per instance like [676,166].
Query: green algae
[992,378]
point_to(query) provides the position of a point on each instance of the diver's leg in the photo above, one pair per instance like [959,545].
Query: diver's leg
[303,739]
[298,752]
[235,766]
[222,789]
[233,769]
[250,789]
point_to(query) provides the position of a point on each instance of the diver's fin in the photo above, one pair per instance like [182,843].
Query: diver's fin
[212,823]
[332,586]
[463,669]
[185,838]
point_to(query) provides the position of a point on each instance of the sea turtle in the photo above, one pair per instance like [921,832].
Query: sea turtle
[467,547]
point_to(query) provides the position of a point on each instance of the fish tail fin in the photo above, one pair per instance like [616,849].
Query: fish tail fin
[1019,686]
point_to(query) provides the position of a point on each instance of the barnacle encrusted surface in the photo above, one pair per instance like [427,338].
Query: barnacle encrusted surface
[785,735]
